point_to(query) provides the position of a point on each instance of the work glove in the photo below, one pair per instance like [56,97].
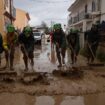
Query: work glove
[6,48]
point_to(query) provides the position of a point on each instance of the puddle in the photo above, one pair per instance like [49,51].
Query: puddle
[44,100]
[23,99]
[42,59]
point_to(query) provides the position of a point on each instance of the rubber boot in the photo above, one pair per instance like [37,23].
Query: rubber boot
[26,63]
[59,60]
[7,60]
[32,63]
[72,58]
[11,60]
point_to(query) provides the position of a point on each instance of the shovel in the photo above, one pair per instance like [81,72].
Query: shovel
[53,57]
[96,63]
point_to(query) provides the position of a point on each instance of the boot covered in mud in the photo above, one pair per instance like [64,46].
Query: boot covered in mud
[25,62]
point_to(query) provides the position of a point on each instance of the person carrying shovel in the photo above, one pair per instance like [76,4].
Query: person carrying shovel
[10,41]
[73,44]
[59,40]
[92,42]
[26,40]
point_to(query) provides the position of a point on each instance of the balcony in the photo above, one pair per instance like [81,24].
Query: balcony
[95,13]
[11,15]
[70,21]
[79,17]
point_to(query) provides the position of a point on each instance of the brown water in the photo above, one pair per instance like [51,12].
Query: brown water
[23,99]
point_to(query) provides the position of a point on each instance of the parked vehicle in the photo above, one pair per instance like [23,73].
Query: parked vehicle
[37,37]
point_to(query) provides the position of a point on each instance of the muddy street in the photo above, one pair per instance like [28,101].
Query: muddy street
[52,89]
[24,99]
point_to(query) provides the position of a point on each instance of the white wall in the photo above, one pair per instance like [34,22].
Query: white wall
[103,10]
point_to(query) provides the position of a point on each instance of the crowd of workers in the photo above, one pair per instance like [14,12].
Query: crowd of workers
[72,41]
[11,40]
[25,41]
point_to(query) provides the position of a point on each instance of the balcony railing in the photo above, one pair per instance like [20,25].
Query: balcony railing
[14,12]
[79,17]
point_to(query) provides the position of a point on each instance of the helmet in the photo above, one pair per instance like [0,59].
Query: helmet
[27,31]
[10,28]
[57,26]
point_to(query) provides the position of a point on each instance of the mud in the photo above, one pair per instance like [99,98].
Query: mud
[24,99]
[92,82]
[52,89]
[70,73]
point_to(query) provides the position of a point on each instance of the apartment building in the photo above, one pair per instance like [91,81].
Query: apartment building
[83,13]
[7,14]
[22,19]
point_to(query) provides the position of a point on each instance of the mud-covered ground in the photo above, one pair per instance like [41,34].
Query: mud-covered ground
[91,80]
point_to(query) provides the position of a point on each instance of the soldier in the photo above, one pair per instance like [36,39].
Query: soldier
[9,43]
[59,40]
[26,40]
[73,44]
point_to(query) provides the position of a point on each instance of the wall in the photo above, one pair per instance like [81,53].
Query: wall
[1,16]
[21,19]
[103,10]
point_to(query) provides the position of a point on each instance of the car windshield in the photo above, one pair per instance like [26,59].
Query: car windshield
[36,34]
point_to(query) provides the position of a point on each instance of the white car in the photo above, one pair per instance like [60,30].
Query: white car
[37,37]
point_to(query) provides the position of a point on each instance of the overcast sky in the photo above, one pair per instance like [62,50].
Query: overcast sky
[45,10]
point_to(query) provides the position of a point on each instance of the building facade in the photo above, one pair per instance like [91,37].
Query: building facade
[84,13]
[22,19]
[7,14]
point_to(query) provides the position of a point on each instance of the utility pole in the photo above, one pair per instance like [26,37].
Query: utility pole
[51,26]
[11,11]
[52,23]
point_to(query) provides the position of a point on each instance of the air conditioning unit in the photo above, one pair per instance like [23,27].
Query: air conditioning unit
[87,16]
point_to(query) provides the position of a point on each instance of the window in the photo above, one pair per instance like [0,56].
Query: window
[99,5]
[86,8]
[93,6]
[6,3]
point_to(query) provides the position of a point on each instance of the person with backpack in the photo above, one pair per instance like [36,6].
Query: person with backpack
[26,40]
[10,41]
[59,40]
[73,44]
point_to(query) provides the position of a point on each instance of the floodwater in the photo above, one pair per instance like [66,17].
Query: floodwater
[23,99]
